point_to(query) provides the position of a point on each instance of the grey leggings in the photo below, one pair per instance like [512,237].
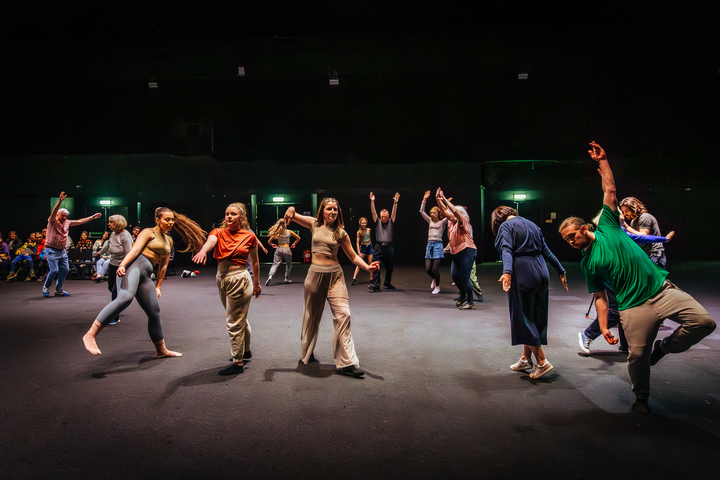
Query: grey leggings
[282,254]
[136,283]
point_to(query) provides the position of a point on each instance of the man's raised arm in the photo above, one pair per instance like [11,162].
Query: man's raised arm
[608,181]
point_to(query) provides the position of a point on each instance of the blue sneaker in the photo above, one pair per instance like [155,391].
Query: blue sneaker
[46,292]
[61,293]
[584,343]
[114,321]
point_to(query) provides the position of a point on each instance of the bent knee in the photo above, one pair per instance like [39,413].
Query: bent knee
[706,323]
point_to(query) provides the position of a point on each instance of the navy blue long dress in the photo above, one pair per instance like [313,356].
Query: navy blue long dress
[523,250]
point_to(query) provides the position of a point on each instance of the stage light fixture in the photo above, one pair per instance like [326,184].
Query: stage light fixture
[519,196]
[105,202]
[334,79]
[522,76]
[278,199]
[241,71]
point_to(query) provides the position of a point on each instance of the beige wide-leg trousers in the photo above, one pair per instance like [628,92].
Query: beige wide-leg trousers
[641,325]
[327,282]
[235,289]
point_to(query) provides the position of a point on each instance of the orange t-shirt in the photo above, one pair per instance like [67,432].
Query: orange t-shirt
[234,246]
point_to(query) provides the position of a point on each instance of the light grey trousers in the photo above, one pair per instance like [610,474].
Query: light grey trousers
[327,283]
[236,291]
[282,254]
[641,325]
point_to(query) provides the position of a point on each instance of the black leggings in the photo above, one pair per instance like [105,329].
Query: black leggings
[432,267]
[136,284]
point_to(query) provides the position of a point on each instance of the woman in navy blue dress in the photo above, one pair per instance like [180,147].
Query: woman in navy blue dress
[525,277]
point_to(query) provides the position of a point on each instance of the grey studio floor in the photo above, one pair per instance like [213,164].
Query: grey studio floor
[438,399]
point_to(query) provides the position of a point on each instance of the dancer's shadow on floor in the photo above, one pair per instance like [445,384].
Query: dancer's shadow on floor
[314,370]
[208,376]
[609,357]
[144,363]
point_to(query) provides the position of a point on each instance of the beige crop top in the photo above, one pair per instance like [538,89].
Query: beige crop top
[159,247]
[322,240]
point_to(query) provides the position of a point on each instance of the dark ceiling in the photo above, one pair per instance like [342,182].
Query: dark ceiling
[417,83]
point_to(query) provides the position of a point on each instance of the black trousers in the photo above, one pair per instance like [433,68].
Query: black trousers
[385,254]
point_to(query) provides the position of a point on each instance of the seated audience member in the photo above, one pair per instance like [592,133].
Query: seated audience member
[85,243]
[4,256]
[13,243]
[41,266]
[101,260]
[24,253]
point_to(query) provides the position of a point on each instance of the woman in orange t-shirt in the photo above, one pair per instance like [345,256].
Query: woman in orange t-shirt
[233,243]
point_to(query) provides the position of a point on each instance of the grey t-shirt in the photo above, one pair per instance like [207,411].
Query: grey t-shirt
[384,231]
[648,221]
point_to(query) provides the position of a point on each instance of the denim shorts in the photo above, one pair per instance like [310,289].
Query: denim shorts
[366,249]
[434,250]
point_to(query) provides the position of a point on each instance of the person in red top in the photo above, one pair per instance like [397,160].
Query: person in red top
[233,244]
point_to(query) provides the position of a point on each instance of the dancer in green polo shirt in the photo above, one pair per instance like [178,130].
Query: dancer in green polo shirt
[645,298]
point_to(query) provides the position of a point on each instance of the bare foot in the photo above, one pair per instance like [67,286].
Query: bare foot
[168,353]
[90,344]
[162,351]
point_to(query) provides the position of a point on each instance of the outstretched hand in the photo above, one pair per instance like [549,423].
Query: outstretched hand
[597,153]
[670,235]
[396,197]
[427,195]
[289,215]
[199,258]
[97,215]
[372,197]
[62,196]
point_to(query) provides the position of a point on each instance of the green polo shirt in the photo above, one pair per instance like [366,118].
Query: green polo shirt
[613,258]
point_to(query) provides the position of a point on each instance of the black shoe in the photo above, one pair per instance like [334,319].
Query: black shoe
[373,288]
[353,370]
[247,355]
[389,286]
[460,301]
[457,299]
[657,353]
[232,370]
[480,299]
[641,406]
[623,349]
[467,306]
[313,359]
[353,282]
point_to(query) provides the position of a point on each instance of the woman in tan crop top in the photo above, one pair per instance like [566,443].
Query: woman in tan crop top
[325,281]
[152,246]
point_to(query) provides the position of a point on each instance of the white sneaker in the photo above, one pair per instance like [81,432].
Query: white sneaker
[436,290]
[541,370]
[584,343]
[522,365]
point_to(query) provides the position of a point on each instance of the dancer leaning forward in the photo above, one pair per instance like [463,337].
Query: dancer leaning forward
[152,247]
[645,298]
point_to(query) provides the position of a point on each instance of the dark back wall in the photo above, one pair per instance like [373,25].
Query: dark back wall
[201,187]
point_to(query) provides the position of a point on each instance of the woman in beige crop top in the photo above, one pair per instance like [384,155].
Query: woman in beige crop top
[152,246]
[325,282]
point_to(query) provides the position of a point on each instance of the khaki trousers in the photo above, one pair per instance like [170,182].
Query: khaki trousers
[327,283]
[236,290]
[641,325]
